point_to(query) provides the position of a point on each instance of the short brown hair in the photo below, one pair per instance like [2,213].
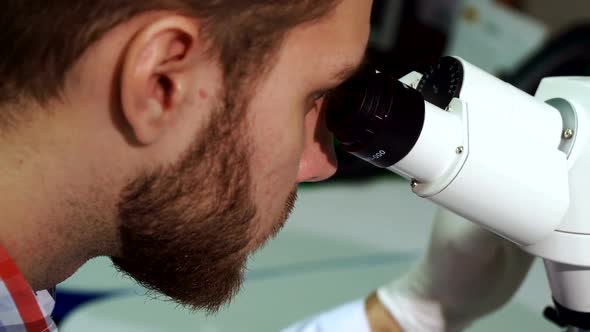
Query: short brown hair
[41,40]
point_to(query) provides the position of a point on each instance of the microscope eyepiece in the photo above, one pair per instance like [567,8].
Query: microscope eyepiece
[376,117]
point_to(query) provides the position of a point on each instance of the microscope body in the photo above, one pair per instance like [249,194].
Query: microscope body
[493,158]
[523,171]
[515,164]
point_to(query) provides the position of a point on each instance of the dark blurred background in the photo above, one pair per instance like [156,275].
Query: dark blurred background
[520,41]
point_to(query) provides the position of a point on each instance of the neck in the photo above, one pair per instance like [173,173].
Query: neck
[46,227]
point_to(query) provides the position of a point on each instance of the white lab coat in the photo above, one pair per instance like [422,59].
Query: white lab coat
[350,317]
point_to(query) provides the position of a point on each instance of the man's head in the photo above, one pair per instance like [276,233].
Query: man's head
[181,128]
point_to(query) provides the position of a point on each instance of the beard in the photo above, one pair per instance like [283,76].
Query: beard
[187,230]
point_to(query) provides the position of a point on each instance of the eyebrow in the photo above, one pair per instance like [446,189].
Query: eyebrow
[350,69]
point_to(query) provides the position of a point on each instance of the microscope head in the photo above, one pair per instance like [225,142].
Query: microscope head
[464,139]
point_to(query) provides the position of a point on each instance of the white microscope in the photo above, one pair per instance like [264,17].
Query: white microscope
[515,164]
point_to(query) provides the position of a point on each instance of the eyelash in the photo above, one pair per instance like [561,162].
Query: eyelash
[319,95]
[315,98]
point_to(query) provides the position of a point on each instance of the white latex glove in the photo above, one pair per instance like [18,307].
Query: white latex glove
[468,272]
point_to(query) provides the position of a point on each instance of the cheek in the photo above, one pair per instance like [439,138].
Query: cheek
[276,153]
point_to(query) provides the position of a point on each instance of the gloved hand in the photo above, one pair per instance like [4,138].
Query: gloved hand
[468,272]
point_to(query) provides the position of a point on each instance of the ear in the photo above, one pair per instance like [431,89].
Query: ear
[156,71]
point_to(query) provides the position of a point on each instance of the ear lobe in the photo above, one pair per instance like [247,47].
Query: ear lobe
[156,67]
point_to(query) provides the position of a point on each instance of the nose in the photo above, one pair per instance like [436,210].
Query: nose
[318,161]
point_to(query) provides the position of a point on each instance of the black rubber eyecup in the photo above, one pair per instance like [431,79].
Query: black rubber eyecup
[376,117]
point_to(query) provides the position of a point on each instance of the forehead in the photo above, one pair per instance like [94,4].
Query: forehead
[336,41]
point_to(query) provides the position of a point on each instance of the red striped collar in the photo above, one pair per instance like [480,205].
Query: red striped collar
[22,294]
